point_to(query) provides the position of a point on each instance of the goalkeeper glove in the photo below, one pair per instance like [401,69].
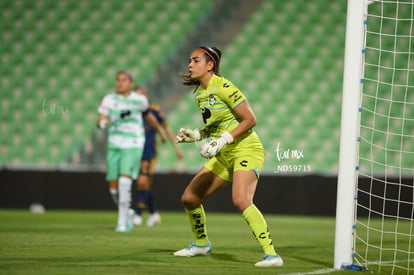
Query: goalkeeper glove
[211,149]
[187,135]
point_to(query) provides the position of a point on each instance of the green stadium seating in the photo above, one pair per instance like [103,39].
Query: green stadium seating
[287,59]
[67,53]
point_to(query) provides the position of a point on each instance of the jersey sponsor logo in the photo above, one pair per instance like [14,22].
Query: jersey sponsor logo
[126,113]
[243,163]
[235,95]
[206,114]
[199,227]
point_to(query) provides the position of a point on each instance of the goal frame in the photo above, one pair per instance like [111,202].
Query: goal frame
[349,133]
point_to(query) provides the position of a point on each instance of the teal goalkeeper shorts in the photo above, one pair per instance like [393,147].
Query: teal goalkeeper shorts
[123,162]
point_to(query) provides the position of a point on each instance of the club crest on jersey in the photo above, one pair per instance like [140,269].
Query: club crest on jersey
[212,100]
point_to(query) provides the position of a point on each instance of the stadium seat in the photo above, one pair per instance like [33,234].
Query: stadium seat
[283,61]
[287,58]
[77,65]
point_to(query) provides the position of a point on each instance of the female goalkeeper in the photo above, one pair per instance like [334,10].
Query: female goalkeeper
[234,150]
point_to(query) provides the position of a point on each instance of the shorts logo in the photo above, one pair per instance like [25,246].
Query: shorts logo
[243,163]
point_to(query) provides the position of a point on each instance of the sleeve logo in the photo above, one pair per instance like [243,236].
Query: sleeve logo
[235,95]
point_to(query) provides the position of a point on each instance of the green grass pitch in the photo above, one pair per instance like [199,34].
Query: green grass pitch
[84,242]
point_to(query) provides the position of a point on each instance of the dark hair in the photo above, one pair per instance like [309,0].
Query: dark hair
[212,54]
[144,91]
[127,73]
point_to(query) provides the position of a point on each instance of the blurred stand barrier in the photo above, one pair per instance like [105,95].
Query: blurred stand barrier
[89,155]
[302,195]
[293,195]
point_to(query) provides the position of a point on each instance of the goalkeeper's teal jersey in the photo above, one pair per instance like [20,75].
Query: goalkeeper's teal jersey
[216,104]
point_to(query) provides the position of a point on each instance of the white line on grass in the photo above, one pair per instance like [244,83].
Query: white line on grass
[390,262]
[329,270]
[319,271]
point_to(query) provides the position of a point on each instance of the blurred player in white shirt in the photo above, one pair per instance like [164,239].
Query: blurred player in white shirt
[122,113]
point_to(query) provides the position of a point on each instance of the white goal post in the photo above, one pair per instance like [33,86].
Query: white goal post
[375,195]
[347,175]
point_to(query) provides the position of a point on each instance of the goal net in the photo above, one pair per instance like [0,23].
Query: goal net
[384,209]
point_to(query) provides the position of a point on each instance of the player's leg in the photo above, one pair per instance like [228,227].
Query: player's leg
[117,185]
[144,197]
[113,190]
[203,185]
[124,187]
[142,187]
[154,217]
[128,172]
[112,173]
[148,182]
[243,189]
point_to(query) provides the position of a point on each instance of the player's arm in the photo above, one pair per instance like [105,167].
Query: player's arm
[103,112]
[152,120]
[102,121]
[246,117]
[171,137]
[189,135]
[247,120]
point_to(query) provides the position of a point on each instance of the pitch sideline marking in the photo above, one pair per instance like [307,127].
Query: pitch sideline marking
[329,270]
[319,271]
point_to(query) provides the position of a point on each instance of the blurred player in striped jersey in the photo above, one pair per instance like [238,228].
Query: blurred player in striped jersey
[144,195]
[122,113]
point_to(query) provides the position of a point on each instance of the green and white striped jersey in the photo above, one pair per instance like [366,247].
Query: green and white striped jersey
[126,127]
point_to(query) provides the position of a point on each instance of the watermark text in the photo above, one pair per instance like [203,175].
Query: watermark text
[291,160]
[54,109]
